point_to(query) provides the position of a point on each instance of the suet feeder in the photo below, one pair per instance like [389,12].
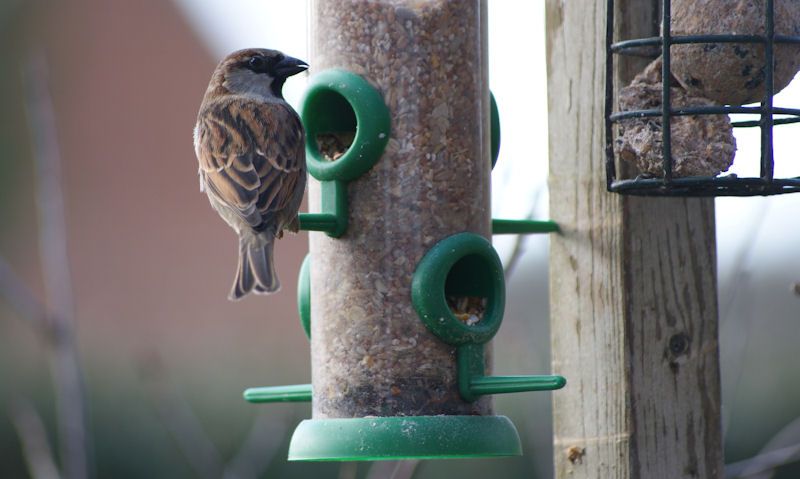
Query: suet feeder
[668,133]
[403,293]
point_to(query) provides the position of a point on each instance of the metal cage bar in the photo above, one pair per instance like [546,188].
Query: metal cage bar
[767,157]
[729,185]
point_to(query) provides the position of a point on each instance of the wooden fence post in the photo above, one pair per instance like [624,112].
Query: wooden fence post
[632,284]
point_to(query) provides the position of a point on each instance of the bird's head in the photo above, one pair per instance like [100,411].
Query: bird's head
[256,71]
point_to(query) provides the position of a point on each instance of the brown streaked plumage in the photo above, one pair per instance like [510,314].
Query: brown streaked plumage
[250,146]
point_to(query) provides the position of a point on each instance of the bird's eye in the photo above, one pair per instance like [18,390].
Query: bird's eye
[256,64]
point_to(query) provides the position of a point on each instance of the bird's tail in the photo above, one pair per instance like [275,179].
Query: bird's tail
[255,270]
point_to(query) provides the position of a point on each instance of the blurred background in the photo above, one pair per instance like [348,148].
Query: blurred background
[104,228]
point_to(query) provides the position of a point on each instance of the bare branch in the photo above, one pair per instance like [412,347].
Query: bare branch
[393,469]
[193,442]
[516,254]
[21,299]
[405,469]
[348,470]
[33,438]
[67,373]
[519,242]
[176,415]
[763,463]
[256,452]
[381,469]
[742,261]
[259,448]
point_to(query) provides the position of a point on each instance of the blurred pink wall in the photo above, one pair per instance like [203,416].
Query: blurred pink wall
[151,262]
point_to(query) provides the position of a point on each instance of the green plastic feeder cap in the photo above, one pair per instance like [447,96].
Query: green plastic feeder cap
[397,438]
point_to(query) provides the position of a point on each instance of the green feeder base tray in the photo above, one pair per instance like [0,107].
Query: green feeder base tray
[404,437]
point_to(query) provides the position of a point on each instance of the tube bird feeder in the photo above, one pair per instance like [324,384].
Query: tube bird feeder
[403,291]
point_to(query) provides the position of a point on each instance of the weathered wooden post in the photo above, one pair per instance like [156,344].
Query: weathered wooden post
[633,283]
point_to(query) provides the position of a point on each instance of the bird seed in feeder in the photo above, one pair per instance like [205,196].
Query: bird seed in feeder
[333,146]
[468,309]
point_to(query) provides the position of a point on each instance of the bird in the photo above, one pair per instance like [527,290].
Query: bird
[250,146]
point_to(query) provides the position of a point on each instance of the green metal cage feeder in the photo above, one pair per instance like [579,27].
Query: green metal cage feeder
[402,294]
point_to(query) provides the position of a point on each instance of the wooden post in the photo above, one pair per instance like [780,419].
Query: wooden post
[632,284]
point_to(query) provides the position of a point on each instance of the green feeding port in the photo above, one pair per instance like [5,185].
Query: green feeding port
[458,291]
[304,295]
[347,127]
[331,133]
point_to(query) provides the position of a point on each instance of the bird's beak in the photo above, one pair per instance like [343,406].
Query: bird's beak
[289,66]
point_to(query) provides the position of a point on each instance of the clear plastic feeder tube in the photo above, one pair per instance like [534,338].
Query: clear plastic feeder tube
[371,354]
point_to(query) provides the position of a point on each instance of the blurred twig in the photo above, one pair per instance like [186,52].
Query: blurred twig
[259,449]
[405,470]
[739,279]
[763,465]
[22,300]
[516,253]
[741,262]
[348,470]
[33,438]
[177,417]
[783,448]
[393,469]
[201,454]
[58,326]
[255,453]
[36,449]
[519,242]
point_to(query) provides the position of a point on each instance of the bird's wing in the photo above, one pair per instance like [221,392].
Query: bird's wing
[251,155]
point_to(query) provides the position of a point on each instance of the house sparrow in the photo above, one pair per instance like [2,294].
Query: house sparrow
[251,149]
